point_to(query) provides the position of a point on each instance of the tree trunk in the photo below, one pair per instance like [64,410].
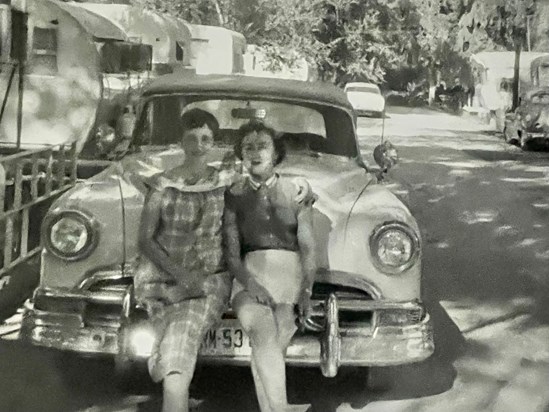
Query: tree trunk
[219,13]
[518,48]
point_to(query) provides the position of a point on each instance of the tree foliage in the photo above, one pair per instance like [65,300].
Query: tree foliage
[364,39]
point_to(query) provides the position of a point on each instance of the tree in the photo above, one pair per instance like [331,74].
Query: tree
[502,22]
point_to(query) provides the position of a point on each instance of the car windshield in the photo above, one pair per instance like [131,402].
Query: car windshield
[311,127]
[364,89]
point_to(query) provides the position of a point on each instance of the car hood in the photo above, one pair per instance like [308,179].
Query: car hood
[337,181]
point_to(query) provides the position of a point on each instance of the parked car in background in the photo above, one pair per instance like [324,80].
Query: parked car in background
[528,124]
[365,98]
[367,308]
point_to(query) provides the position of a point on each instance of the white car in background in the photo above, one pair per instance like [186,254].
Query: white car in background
[365,98]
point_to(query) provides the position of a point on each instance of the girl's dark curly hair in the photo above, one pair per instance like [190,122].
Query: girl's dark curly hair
[258,126]
[197,118]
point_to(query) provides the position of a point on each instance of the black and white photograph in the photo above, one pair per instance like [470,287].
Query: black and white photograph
[274,205]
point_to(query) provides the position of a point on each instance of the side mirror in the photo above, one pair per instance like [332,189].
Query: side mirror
[386,156]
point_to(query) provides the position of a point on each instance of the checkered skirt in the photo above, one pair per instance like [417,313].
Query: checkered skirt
[180,328]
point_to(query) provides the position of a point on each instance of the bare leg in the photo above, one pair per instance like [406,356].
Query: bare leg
[260,390]
[286,327]
[176,393]
[259,323]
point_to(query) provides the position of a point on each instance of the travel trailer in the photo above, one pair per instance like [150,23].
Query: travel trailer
[169,37]
[63,69]
[216,50]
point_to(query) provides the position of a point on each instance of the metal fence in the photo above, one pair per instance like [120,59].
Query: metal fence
[27,180]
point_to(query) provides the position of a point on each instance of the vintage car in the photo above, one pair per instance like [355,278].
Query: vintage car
[366,99]
[367,307]
[528,124]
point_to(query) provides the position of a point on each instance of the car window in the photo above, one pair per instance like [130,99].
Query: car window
[313,127]
[365,89]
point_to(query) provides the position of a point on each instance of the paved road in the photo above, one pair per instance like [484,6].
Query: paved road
[483,209]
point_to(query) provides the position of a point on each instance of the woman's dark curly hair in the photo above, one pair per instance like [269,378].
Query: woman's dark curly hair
[197,118]
[258,126]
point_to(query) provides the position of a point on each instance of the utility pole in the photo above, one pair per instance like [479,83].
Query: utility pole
[528,42]
[518,40]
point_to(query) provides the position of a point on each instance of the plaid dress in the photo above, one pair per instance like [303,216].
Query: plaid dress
[190,232]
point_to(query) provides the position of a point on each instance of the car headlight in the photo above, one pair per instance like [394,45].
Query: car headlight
[141,341]
[70,235]
[394,247]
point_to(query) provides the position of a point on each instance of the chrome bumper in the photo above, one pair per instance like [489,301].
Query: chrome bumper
[536,135]
[325,344]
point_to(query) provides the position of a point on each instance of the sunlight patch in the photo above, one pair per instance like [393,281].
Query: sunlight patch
[525,180]
[460,172]
[527,242]
[436,199]
[506,230]
[541,205]
[474,164]
[543,255]
[442,245]
[479,216]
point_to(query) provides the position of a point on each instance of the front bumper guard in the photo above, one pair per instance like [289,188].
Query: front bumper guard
[327,344]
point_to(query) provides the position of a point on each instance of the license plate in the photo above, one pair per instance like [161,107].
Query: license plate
[225,341]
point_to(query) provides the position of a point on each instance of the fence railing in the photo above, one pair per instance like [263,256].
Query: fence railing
[27,180]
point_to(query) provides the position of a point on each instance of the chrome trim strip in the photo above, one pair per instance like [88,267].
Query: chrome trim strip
[359,305]
[103,297]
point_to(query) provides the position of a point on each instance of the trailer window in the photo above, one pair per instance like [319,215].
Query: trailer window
[43,56]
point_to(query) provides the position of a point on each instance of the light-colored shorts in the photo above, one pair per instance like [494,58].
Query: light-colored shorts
[278,271]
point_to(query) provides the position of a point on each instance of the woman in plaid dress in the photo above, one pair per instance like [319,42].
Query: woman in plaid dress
[181,277]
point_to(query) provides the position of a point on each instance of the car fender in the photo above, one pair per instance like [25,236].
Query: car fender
[101,201]
[351,252]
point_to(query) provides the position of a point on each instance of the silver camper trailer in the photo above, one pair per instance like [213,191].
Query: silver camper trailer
[70,67]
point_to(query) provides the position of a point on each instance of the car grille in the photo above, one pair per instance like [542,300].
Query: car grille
[91,313]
